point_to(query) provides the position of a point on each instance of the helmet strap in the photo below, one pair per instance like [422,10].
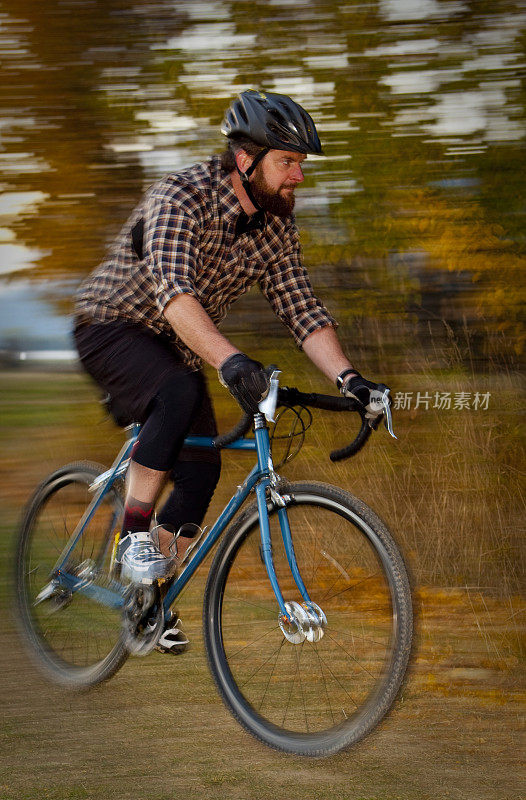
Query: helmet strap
[260,156]
[245,176]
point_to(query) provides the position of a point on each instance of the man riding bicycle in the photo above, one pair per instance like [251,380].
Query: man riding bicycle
[147,317]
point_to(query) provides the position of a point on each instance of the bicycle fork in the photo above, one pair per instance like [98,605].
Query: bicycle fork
[298,621]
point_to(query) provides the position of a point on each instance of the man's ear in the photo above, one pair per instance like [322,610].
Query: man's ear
[243,160]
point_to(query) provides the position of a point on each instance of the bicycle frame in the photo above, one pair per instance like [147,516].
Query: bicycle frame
[261,478]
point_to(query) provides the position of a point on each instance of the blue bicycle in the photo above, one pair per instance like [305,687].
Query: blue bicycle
[307,608]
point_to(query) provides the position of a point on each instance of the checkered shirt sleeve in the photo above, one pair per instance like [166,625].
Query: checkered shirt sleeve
[172,234]
[288,289]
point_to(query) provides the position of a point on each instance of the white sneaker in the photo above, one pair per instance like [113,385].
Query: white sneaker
[141,561]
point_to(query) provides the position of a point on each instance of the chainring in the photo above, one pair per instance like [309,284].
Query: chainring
[142,618]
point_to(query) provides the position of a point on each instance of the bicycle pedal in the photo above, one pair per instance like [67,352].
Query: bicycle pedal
[173,640]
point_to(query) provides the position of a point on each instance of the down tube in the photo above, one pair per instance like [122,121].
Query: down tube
[212,536]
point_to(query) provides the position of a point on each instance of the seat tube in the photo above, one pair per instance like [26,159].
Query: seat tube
[263,453]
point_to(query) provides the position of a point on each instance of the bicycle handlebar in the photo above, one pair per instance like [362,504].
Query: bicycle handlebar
[356,445]
[289,396]
[327,402]
[240,429]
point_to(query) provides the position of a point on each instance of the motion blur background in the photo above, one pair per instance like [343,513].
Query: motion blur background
[413,228]
[413,223]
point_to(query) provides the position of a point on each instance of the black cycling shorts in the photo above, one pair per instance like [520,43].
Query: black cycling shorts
[131,363]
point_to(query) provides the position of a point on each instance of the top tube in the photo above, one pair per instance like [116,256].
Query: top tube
[208,442]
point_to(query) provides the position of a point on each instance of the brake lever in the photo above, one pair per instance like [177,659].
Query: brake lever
[388,419]
[269,404]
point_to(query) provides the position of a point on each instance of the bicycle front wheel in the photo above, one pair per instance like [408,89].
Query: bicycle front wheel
[310,698]
[75,637]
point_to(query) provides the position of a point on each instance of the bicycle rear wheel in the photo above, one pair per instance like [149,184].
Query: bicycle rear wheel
[310,698]
[74,638]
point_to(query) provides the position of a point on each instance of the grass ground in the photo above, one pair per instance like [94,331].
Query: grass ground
[158,729]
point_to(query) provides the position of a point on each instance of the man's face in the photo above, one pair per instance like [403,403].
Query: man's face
[275,179]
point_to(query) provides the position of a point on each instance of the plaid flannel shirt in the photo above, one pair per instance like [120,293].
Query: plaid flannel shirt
[189,246]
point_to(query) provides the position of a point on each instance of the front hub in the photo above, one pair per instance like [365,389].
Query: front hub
[303,621]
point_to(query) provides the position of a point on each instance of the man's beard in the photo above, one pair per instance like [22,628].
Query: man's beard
[269,199]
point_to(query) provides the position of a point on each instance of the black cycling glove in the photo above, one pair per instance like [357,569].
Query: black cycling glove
[246,380]
[368,394]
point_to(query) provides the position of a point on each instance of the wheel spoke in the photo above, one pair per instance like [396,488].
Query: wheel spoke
[235,653]
[325,684]
[342,685]
[266,609]
[270,676]
[263,663]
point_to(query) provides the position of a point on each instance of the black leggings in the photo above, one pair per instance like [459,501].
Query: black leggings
[168,420]
[148,382]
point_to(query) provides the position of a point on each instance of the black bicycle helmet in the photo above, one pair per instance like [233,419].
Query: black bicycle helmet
[272,120]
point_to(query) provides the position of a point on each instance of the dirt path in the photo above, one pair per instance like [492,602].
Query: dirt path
[455,733]
[158,730]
